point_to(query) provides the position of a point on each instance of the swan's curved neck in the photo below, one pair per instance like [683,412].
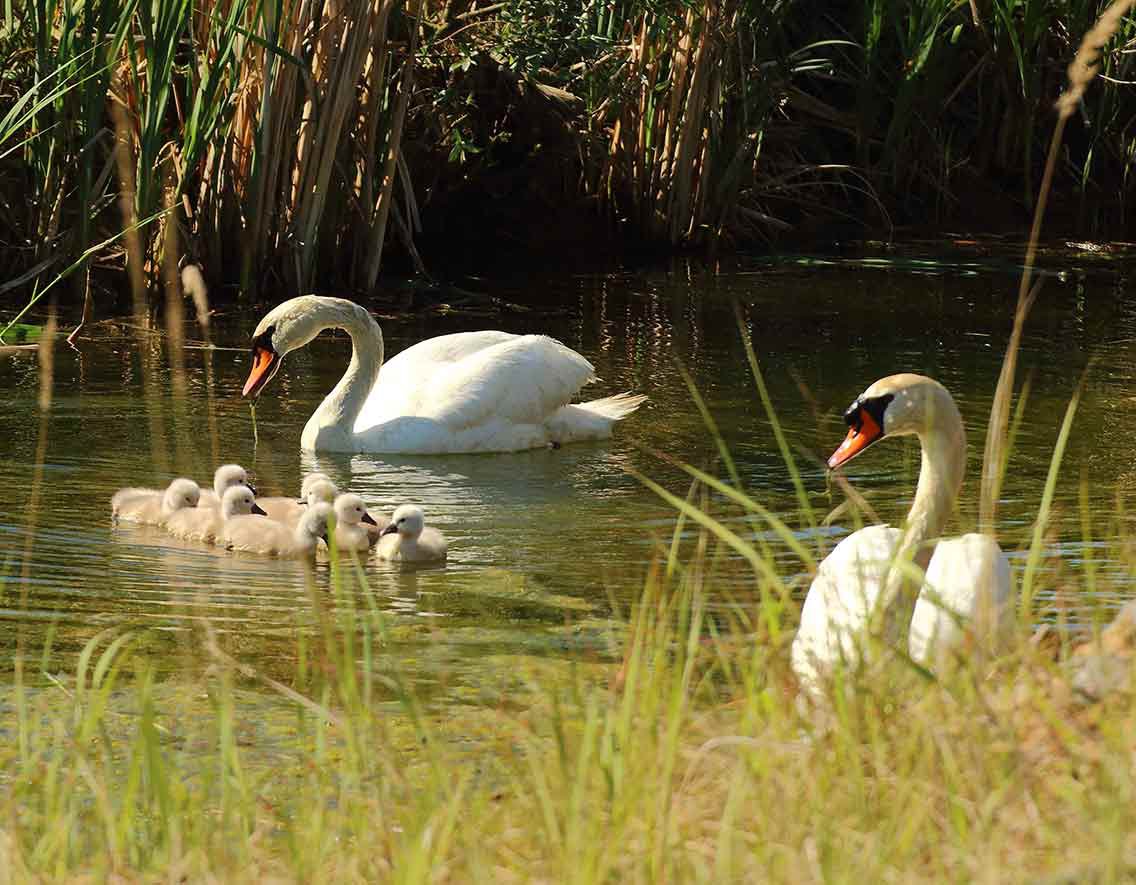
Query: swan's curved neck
[943,464]
[333,423]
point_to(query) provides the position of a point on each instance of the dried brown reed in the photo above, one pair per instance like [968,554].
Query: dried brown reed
[272,158]
[125,165]
[661,156]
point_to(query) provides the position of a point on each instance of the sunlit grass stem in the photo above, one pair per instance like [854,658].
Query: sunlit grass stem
[1041,521]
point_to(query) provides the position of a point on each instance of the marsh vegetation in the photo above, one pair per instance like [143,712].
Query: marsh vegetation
[298,145]
[597,686]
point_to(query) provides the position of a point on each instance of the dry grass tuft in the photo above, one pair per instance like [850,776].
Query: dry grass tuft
[1084,66]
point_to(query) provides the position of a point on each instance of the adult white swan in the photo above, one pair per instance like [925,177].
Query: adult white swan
[966,591]
[468,392]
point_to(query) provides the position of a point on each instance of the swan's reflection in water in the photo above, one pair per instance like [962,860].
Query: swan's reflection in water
[499,509]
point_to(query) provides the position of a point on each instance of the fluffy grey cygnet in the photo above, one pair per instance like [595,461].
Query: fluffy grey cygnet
[154,506]
[409,539]
[315,487]
[258,534]
[352,522]
[225,477]
[205,523]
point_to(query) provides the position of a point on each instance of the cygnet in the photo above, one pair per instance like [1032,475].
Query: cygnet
[310,480]
[205,523]
[351,523]
[409,539]
[256,534]
[316,487]
[224,478]
[153,506]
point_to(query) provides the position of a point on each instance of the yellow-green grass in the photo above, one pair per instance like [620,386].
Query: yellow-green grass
[684,758]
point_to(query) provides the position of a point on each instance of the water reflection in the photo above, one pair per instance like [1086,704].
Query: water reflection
[545,539]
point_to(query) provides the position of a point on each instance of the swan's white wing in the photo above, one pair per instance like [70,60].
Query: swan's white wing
[466,380]
[967,593]
[840,602]
[398,390]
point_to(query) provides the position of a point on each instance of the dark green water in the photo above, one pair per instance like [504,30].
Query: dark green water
[542,543]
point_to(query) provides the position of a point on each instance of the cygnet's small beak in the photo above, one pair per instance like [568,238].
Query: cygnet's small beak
[256,508]
[389,530]
[367,518]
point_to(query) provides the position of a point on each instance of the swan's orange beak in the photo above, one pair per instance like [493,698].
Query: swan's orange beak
[265,362]
[858,439]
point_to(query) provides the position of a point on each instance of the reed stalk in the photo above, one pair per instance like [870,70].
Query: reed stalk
[1082,70]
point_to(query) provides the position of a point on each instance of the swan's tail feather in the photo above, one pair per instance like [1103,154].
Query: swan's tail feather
[615,408]
[593,420]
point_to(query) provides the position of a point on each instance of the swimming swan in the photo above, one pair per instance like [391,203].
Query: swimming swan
[966,588]
[409,539]
[154,506]
[205,523]
[257,534]
[225,477]
[466,392]
[352,522]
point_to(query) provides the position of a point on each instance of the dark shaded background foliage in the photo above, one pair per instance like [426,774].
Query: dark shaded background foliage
[534,128]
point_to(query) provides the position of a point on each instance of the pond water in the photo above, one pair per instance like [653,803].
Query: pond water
[545,545]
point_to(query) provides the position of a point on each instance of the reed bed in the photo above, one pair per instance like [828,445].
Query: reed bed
[291,145]
[263,135]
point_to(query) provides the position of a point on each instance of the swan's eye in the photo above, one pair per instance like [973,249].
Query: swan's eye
[264,339]
[874,406]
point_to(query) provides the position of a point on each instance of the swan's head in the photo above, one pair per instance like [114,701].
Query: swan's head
[310,480]
[240,501]
[315,520]
[291,325]
[351,510]
[229,476]
[407,520]
[180,493]
[894,406]
[323,491]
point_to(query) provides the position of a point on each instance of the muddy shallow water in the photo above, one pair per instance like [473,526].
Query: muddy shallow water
[544,545]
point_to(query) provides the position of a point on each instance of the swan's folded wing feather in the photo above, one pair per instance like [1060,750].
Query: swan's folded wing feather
[968,590]
[840,600]
[404,379]
[519,379]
